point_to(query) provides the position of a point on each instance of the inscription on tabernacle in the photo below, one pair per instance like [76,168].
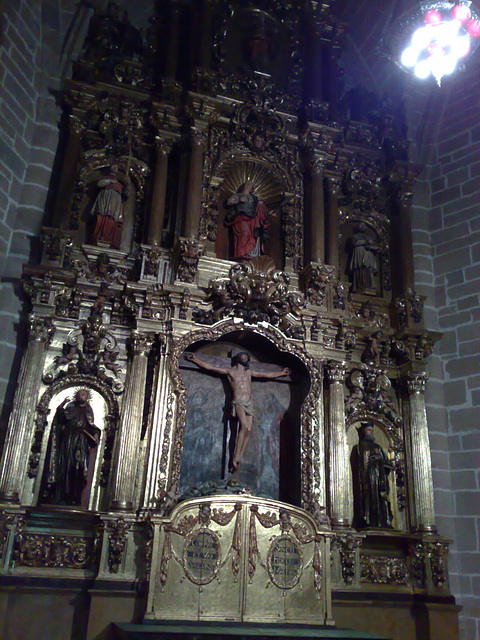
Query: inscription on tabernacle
[285,563]
[201,557]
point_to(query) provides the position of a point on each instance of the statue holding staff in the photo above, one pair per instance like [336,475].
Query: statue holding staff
[74,445]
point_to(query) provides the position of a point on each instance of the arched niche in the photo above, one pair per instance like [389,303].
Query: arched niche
[131,174]
[388,439]
[105,415]
[269,190]
[370,230]
[297,411]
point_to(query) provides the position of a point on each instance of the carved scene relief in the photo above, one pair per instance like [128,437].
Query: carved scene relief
[245,431]
[251,199]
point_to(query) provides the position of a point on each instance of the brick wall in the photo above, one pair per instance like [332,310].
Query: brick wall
[447,249]
[30,49]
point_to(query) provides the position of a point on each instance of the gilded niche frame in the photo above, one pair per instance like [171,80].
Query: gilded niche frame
[232,157]
[312,454]
[43,424]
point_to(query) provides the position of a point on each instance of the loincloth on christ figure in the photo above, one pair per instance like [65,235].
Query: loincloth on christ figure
[246,405]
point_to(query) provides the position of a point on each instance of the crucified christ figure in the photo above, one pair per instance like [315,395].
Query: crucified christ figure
[240,380]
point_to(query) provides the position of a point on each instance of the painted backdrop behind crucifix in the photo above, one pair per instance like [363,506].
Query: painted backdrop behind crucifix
[213,437]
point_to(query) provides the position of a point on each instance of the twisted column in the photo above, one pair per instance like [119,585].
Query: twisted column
[423,509]
[339,469]
[126,453]
[21,425]
[194,191]
[157,211]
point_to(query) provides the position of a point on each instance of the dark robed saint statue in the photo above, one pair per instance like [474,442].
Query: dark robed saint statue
[73,449]
[371,470]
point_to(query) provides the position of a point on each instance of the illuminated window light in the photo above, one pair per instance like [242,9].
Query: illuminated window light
[436,38]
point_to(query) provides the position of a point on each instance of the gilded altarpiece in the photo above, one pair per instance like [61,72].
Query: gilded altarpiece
[220,412]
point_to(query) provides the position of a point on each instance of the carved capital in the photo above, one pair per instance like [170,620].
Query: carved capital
[141,343]
[336,371]
[163,146]
[334,186]
[77,126]
[40,329]
[318,166]
[416,382]
[199,137]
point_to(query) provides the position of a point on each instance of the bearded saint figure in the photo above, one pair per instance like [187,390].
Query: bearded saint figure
[73,450]
[373,508]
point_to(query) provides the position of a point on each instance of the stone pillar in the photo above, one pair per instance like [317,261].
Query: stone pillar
[194,191]
[157,210]
[159,438]
[340,490]
[128,437]
[317,235]
[21,426]
[332,256]
[423,512]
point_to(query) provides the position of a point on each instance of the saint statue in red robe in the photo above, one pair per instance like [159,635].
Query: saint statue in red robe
[108,207]
[247,217]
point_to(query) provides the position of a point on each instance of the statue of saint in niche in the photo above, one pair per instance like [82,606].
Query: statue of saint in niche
[247,217]
[73,450]
[362,263]
[372,468]
[240,380]
[108,209]
[260,33]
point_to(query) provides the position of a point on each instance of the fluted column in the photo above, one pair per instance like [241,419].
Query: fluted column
[317,236]
[69,172]
[158,465]
[423,508]
[194,191]
[405,242]
[173,41]
[339,469]
[332,256]
[125,462]
[157,211]
[206,40]
[21,425]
